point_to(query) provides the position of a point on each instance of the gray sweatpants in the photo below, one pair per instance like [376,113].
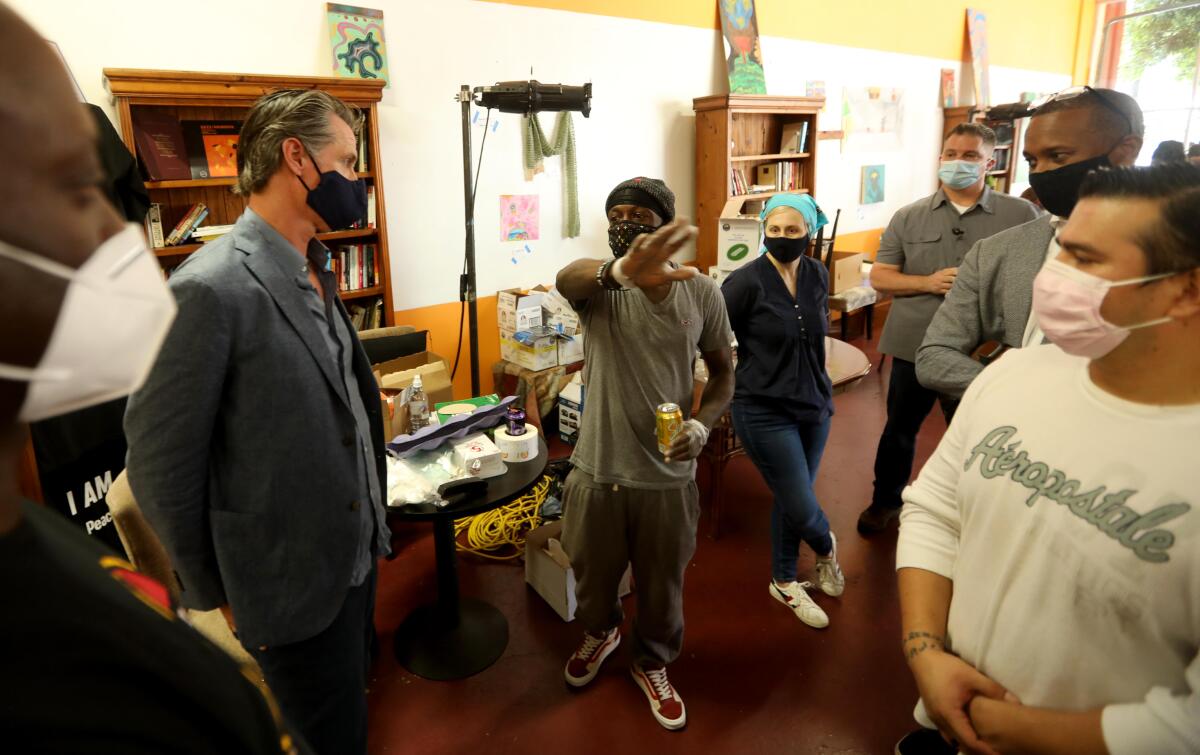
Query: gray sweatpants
[606,527]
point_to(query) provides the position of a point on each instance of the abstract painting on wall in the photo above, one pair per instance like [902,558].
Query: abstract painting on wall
[519,217]
[743,57]
[977,38]
[872,184]
[872,117]
[356,36]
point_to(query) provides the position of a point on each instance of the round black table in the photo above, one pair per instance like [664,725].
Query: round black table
[456,637]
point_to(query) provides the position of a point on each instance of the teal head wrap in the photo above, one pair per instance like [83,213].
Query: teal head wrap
[802,203]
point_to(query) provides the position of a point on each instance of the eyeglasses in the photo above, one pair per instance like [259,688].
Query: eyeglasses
[1073,92]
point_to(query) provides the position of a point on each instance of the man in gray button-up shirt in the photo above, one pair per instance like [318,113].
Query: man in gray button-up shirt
[917,262]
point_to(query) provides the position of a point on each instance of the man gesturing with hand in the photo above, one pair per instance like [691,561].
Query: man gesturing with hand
[626,502]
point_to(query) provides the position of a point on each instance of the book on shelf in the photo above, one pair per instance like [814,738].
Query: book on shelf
[154,227]
[183,230]
[207,233]
[212,148]
[366,316]
[370,207]
[159,141]
[794,138]
[768,175]
[355,266]
[361,167]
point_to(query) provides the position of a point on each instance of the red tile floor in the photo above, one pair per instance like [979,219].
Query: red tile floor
[755,680]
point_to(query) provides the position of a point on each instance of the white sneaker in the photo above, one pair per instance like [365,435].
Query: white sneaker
[829,575]
[794,596]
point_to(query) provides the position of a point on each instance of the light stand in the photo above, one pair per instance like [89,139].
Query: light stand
[525,97]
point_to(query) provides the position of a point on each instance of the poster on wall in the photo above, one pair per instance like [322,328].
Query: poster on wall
[872,184]
[519,217]
[743,56]
[949,88]
[977,40]
[872,117]
[356,36]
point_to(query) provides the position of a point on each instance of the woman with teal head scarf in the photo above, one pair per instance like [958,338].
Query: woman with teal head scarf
[783,400]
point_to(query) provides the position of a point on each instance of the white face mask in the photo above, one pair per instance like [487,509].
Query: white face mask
[114,317]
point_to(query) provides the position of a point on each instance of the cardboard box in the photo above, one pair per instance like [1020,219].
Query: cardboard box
[559,314]
[846,271]
[570,349]
[737,237]
[570,409]
[478,455]
[548,570]
[542,354]
[718,274]
[520,309]
[397,374]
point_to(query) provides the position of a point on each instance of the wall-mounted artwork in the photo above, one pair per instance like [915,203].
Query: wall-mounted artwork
[977,38]
[519,217]
[743,57]
[356,36]
[872,184]
[872,117]
[949,88]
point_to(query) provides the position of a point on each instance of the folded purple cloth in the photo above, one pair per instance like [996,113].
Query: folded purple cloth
[429,438]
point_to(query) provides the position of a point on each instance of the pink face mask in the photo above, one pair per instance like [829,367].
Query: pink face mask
[1067,303]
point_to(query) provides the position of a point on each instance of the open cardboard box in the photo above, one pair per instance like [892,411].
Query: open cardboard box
[395,375]
[548,570]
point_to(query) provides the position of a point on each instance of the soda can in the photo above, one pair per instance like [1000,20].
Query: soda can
[668,419]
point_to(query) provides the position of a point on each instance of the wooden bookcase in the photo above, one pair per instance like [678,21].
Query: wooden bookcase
[1008,141]
[189,95]
[744,131]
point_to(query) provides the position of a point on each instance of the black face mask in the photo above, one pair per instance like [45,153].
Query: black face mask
[785,250]
[339,201]
[1058,189]
[621,234]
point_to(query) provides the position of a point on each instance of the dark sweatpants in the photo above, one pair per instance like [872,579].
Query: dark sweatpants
[606,527]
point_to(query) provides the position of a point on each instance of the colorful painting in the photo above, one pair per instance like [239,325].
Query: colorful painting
[519,217]
[977,37]
[356,36]
[220,150]
[743,56]
[949,88]
[872,184]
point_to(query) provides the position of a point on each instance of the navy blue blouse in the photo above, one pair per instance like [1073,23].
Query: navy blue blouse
[781,338]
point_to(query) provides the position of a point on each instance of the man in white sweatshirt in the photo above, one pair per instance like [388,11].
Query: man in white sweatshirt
[1049,552]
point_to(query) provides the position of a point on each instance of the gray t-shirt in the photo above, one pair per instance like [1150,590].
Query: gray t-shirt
[637,355]
[930,235]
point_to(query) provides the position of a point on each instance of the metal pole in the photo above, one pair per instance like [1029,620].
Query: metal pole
[467,283]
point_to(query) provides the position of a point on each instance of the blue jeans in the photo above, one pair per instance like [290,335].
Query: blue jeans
[787,454]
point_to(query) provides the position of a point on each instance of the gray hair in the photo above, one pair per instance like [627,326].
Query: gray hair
[283,114]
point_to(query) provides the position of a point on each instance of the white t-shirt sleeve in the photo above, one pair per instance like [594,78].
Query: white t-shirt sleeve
[1164,723]
[930,522]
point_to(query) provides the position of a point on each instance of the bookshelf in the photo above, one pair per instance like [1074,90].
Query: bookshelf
[1008,141]
[743,132]
[188,95]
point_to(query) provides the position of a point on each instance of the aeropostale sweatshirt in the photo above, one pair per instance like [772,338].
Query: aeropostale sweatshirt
[1069,521]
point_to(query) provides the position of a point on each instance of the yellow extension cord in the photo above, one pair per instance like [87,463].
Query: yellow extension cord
[505,526]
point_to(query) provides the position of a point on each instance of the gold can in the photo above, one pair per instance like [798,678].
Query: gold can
[668,419]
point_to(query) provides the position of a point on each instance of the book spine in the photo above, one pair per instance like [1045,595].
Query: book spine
[200,216]
[177,231]
[370,206]
[154,223]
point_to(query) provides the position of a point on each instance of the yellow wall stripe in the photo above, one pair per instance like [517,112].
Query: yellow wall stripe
[1038,35]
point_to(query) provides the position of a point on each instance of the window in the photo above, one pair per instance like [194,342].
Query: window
[1148,49]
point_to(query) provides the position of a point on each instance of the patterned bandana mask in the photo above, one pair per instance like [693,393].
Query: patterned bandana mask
[621,234]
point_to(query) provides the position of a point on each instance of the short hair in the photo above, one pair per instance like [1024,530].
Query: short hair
[282,114]
[1113,112]
[1170,151]
[1172,244]
[974,129]
[1194,150]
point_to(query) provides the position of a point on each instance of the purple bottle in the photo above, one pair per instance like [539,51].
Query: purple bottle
[516,420]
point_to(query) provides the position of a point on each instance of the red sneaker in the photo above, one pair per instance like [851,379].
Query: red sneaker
[665,702]
[585,663]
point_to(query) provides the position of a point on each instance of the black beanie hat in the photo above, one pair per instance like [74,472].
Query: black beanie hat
[644,192]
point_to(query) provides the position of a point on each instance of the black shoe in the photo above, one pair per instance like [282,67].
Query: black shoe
[876,519]
[924,742]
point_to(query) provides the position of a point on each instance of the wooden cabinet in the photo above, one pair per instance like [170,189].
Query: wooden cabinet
[741,132]
[188,95]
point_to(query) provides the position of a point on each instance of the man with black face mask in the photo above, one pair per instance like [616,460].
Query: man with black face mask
[256,445]
[918,260]
[630,499]
[1070,134]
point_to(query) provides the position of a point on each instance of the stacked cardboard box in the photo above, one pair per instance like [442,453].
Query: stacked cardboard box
[550,332]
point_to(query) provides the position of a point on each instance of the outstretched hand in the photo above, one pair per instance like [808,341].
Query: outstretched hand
[646,262]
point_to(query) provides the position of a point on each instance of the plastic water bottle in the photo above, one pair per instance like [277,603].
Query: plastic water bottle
[418,406]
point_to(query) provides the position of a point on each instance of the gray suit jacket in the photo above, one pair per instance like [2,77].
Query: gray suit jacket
[989,301]
[242,445]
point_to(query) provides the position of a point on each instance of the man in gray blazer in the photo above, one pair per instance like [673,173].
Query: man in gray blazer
[256,444]
[1074,132]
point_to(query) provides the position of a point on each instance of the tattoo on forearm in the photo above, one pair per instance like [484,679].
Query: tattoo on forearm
[915,650]
[926,641]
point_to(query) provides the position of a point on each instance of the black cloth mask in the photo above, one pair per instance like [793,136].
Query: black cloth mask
[785,250]
[339,201]
[621,234]
[1058,189]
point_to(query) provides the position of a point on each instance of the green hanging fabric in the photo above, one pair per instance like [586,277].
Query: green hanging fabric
[537,149]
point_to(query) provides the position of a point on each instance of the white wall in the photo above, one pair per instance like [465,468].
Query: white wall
[644,74]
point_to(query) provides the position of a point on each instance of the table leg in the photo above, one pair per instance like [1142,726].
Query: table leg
[454,637]
[845,324]
[870,320]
